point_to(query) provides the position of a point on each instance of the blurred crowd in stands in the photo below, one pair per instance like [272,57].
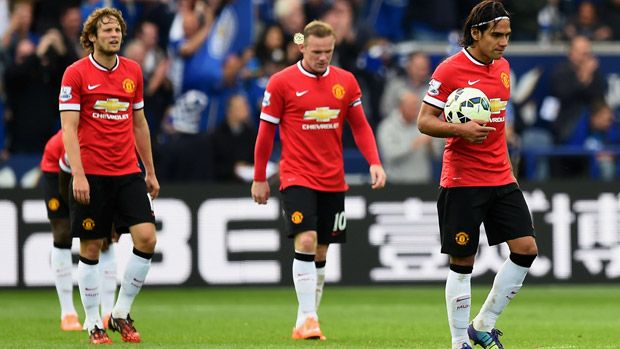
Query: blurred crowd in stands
[206,64]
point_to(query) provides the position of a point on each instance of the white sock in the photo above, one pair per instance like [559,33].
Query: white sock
[107,267]
[135,273]
[62,266]
[304,278]
[507,283]
[320,282]
[458,304]
[89,281]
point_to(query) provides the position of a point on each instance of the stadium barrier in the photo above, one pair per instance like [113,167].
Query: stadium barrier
[216,235]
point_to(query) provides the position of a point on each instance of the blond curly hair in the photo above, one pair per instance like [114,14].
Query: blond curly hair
[93,22]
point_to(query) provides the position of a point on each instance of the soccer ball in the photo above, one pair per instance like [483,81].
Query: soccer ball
[465,104]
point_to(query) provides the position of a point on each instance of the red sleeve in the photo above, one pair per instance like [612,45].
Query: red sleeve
[69,98]
[362,133]
[262,149]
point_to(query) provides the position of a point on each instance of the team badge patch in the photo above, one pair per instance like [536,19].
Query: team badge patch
[65,93]
[297,217]
[433,87]
[88,224]
[462,238]
[505,79]
[129,86]
[53,204]
[266,99]
[338,91]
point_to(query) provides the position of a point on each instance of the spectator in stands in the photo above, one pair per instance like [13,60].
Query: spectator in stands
[31,83]
[612,17]
[18,29]
[232,143]
[416,78]
[550,22]
[407,153]
[587,23]
[70,29]
[157,87]
[577,84]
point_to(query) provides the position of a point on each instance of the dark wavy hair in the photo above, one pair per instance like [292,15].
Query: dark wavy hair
[93,22]
[483,16]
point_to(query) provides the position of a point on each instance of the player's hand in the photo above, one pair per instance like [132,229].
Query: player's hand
[377,177]
[260,192]
[152,185]
[81,189]
[475,132]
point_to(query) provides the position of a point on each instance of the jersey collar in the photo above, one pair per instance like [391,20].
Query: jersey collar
[100,67]
[473,59]
[309,74]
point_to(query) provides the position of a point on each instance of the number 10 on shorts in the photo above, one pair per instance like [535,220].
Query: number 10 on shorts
[340,221]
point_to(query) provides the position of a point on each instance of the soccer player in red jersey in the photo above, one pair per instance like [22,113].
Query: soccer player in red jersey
[310,101]
[477,183]
[103,123]
[56,174]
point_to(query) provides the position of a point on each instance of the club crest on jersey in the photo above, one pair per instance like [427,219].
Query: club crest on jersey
[111,105]
[129,86]
[266,99]
[65,93]
[433,87]
[338,91]
[505,79]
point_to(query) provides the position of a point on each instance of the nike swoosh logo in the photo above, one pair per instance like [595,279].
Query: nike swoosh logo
[300,93]
[472,82]
[92,87]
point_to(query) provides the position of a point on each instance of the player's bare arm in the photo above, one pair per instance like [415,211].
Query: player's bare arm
[429,123]
[81,189]
[143,145]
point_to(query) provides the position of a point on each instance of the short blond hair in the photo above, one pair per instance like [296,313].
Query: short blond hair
[93,22]
[319,29]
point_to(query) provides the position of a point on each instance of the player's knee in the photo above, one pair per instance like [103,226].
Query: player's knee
[306,242]
[146,243]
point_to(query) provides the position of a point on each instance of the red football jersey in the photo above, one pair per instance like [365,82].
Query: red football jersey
[106,99]
[464,163]
[54,150]
[310,111]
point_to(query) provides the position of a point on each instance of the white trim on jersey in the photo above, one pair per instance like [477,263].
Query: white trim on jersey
[63,162]
[474,60]
[100,67]
[69,107]
[269,118]
[434,101]
[309,74]
[137,106]
[355,103]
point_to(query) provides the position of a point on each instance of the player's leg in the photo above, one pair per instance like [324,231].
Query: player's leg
[299,211]
[62,266]
[135,210]
[509,220]
[92,223]
[332,228]
[61,258]
[320,260]
[107,267]
[460,214]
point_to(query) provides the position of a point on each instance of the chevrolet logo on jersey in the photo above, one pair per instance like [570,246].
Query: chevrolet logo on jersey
[111,105]
[321,114]
[497,105]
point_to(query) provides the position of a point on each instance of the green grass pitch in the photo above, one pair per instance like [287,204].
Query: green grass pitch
[550,317]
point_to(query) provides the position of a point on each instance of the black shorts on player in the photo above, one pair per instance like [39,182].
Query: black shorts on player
[121,200]
[57,207]
[502,209]
[307,209]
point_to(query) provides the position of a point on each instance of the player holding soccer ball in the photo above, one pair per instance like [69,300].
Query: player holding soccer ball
[477,183]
